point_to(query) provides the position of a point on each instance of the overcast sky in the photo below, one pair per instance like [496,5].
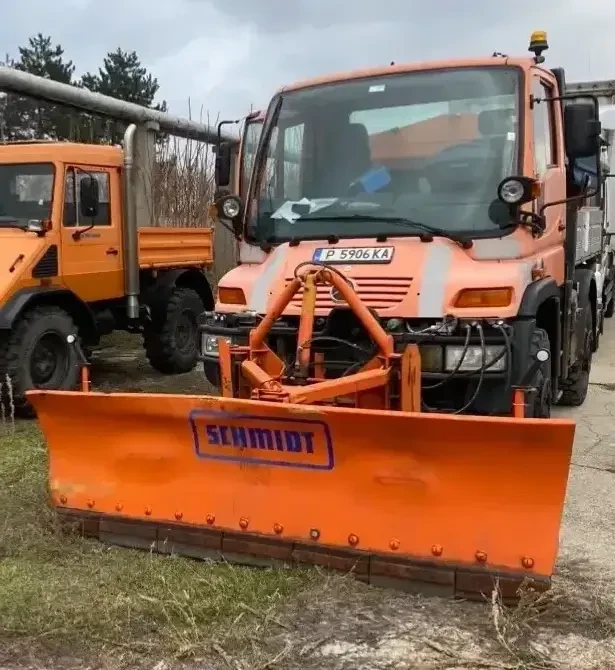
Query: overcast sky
[228,55]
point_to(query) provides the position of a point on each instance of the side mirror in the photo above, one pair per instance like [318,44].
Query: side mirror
[581,130]
[89,196]
[223,165]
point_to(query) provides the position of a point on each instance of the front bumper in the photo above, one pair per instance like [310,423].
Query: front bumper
[440,354]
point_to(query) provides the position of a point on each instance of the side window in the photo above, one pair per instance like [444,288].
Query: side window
[543,141]
[293,144]
[72,216]
[552,156]
[282,177]
[250,142]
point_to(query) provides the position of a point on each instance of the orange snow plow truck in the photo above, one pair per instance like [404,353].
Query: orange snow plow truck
[75,261]
[413,294]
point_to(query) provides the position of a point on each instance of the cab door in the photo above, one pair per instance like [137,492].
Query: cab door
[549,167]
[92,254]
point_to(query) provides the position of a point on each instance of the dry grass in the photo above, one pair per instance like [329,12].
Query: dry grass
[542,630]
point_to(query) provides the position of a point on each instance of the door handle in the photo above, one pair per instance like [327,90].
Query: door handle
[112,252]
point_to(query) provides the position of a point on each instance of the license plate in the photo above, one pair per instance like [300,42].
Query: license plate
[353,254]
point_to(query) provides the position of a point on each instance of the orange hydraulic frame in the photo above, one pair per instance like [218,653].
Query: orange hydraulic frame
[268,378]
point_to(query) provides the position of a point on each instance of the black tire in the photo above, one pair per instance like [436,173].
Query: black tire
[576,385]
[172,342]
[212,374]
[540,406]
[36,354]
[597,333]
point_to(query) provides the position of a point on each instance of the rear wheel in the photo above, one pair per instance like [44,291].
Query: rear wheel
[172,344]
[575,387]
[540,406]
[36,355]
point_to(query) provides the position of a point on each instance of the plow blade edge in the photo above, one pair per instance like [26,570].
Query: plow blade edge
[421,501]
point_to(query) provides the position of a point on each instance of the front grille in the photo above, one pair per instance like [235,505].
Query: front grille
[375,292]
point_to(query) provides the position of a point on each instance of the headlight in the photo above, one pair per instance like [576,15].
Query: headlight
[517,190]
[511,191]
[231,207]
[473,358]
[209,344]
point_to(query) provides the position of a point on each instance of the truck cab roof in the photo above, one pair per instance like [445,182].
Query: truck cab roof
[34,151]
[525,63]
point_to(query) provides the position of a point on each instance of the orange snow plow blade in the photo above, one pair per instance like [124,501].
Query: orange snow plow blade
[421,501]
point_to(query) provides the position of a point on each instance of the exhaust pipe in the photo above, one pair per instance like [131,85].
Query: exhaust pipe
[131,234]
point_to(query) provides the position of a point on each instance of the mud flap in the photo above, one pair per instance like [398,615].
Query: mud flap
[451,501]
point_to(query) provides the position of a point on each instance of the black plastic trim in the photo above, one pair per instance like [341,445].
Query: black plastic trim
[17,303]
[535,294]
[584,277]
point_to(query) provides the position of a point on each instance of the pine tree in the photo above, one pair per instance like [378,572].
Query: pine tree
[25,118]
[122,76]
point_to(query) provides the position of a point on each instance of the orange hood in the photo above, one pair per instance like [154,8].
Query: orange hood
[19,250]
[422,280]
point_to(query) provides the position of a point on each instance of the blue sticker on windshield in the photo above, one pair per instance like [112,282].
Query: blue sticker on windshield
[375,179]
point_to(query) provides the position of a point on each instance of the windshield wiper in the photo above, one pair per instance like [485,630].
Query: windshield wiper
[430,231]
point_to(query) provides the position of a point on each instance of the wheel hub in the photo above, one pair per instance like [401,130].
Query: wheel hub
[185,332]
[48,358]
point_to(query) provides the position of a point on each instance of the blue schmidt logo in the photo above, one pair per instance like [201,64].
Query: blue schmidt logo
[272,441]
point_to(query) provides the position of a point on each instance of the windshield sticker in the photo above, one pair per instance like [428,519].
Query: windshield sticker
[372,180]
[377,88]
[288,212]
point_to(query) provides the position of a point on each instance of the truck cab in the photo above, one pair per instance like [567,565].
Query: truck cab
[38,183]
[445,193]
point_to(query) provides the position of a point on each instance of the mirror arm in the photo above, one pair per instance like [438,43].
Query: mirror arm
[535,222]
[80,231]
[230,228]
[222,123]
[565,201]
[569,96]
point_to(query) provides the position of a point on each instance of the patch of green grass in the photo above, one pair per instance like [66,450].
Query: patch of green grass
[60,592]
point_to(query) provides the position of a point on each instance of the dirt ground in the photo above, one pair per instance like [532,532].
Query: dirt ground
[336,623]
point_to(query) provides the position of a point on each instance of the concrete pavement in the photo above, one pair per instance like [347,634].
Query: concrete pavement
[588,532]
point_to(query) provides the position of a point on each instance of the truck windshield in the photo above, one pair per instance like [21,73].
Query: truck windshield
[365,157]
[26,192]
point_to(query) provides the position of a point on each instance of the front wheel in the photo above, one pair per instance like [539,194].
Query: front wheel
[36,355]
[540,407]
